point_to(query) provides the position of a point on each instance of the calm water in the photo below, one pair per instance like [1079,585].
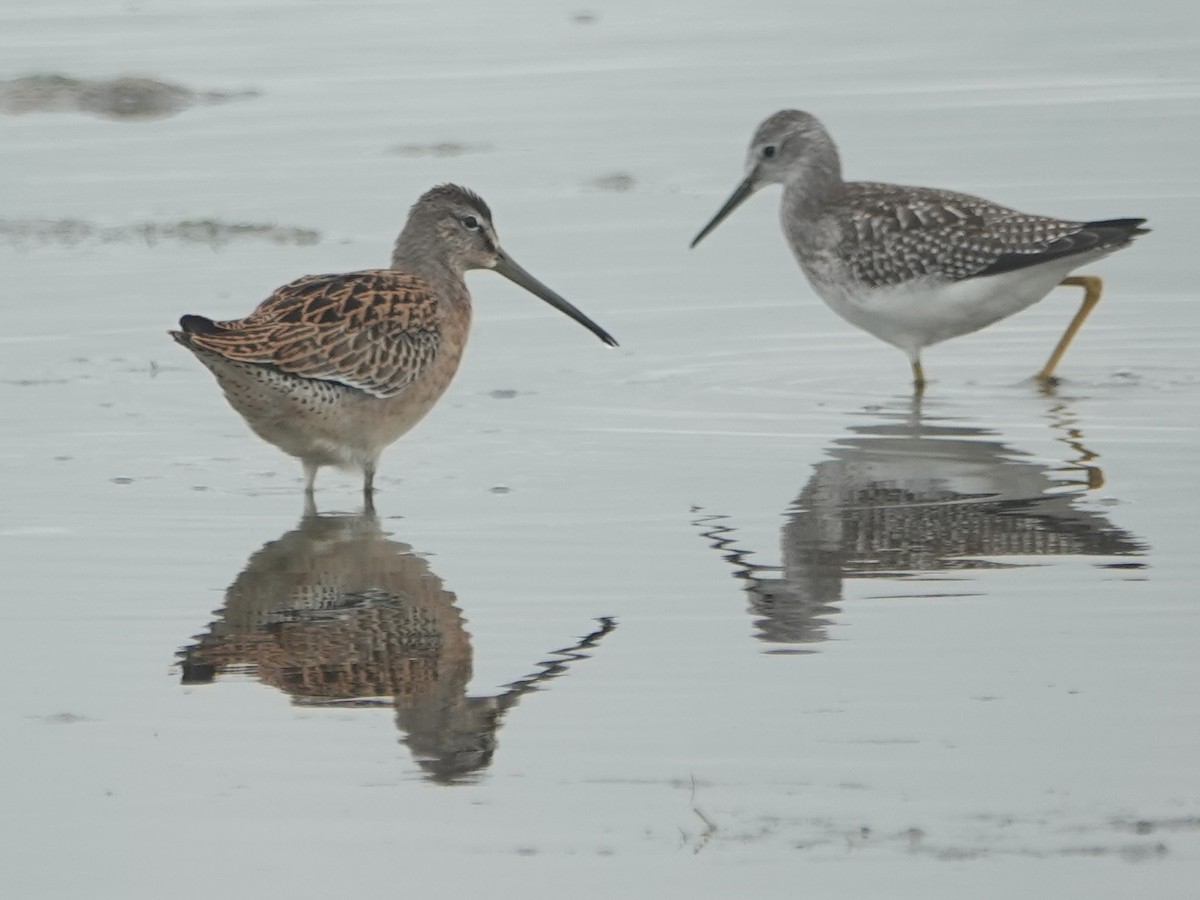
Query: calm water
[721,611]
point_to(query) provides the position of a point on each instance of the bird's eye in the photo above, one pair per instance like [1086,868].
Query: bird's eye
[470,223]
[768,151]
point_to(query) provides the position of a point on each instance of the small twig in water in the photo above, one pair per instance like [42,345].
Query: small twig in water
[710,827]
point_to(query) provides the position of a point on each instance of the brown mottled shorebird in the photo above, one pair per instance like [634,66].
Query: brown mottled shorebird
[333,368]
[915,266]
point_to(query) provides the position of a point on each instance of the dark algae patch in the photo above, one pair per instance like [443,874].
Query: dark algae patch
[208,232]
[125,98]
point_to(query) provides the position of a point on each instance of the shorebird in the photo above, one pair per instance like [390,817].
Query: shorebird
[915,266]
[332,369]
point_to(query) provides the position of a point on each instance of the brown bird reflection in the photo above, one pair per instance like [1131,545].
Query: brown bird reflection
[335,613]
[910,495]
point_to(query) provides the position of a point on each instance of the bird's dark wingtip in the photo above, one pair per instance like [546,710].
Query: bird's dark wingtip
[1131,227]
[190,324]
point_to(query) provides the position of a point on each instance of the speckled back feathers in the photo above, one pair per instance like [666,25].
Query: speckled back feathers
[374,330]
[891,233]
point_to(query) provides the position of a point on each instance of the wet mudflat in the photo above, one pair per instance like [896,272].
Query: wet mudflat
[714,612]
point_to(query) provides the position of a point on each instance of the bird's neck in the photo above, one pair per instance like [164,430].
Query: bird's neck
[415,254]
[813,187]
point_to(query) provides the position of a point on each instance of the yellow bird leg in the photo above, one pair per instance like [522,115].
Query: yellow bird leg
[918,377]
[1091,296]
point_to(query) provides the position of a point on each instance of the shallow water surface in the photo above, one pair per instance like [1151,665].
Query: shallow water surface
[722,611]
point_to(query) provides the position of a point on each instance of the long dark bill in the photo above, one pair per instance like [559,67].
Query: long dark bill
[740,193]
[514,273]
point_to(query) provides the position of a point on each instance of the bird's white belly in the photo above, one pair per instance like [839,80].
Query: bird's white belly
[927,311]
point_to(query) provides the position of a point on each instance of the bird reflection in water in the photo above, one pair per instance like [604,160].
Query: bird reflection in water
[335,614]
[909,495]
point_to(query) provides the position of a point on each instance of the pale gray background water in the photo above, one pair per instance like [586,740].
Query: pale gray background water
[960,731]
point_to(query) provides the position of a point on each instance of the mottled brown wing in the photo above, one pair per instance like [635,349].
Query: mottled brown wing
[375,330]
[893,234]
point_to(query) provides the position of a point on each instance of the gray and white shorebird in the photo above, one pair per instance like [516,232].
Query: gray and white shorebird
[915,266]
[332,369]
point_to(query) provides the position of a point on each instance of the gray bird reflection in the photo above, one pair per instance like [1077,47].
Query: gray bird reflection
[335,614]
[910,495]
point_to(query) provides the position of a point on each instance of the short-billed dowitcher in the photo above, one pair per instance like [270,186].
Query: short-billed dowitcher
[333,368]
[915,266]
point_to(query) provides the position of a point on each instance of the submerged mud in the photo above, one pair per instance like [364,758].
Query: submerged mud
[127,98]
[210,232]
